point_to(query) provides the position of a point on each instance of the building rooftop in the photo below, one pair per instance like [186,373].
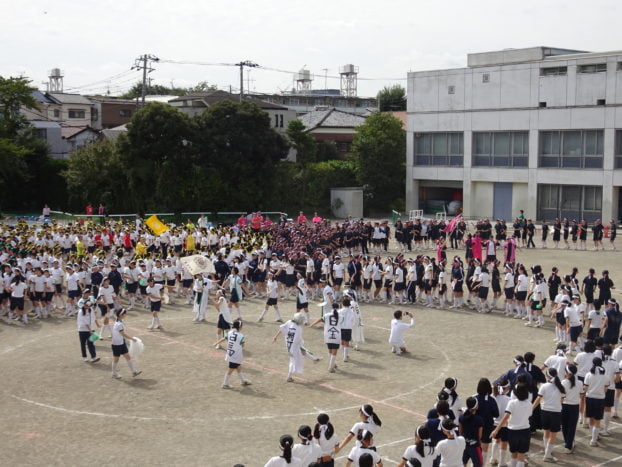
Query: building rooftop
[211,97]
[508,56]
[63,98]
[331,118]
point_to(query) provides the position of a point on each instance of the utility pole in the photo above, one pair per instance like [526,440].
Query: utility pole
[144,63]
[249,64]
[325,79]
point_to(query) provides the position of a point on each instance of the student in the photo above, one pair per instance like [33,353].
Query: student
[451,449]
[369,422]
[573,315]
[154,291]
[612,370]
[86,323]
[516,418]
[365,447]
[347,320]
[455,403]
[421,450]
[508,289]
[105,299]
[292,333]
[224,316]
[595,321]
[201,288]
[307,451]
[471,427]
[302,301]
[286,443]
[235,353]
[17,289]
[550,397]
[119,347]
[324,434]
[570,407]
[500,444]
[594,385]
[583,362]
[610,328]
[358,334]
[488,410]
[235,288]
[272,291]
[398,328]
[332,335]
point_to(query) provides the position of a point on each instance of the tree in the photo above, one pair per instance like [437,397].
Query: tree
[158,155]
[326,151]
[15,93]
[160,90]
[304,144]
[379,153]
[238,150]
[392,98]
[95,174]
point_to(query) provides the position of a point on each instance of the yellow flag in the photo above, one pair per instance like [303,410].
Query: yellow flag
[156,225]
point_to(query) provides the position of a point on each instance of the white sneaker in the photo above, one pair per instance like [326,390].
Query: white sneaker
[116,376]
[604,433]
[226,386]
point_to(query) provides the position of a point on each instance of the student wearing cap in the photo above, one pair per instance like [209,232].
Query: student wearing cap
[154,291]
[119,347]
[130,275]
[87,321]
[292,333]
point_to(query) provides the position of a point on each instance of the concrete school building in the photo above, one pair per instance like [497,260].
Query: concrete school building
[538,129]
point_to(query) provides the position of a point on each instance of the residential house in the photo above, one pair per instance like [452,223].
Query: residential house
[333,125]
[110,112]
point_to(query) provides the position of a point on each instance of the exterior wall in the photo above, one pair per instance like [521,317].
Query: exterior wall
[108,114]
[509,99]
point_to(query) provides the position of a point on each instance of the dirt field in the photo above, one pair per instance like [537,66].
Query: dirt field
[57,410]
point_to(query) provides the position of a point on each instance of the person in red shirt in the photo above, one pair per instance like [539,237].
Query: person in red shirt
[301,218]
[256,222]
[242,220]
[89,209]
[316,218]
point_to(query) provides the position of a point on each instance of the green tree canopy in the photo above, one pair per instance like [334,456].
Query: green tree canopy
[379,153]
[392,98]
[161,90]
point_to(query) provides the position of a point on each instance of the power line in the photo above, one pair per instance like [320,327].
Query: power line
[118,75]
[144,63]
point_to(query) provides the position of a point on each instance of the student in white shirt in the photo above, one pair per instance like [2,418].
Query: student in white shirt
[286,459]
[86,325]
[516,417]
[234,353]
[224,315]
[612,370]
[332,335]
[272,292]
[398,328]
[369,422]
[574,323]
[154,291]
[17,289]
[570,407]
[347,317]
[119,347]
[421,450]
[324,434]
[452,447]
[292,334]
[201,287]
[550,397]
[500,444]
[366,441]
[307,451]
[595,386]
[105,299]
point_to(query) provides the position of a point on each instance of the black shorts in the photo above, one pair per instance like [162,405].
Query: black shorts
[486,431]
[234,365]
[559,317]
[186,283]
[74,293]
[482,292]
[58,288]
[458,286]
[222,323]
[593,333]
[38,296]
[551,421]
[234,296]
[399,286]
[496,286]
[346,335]
[519,440]
[290,280]
[378,283]
[48,296]
[609,397]
[302,306]
[589,297]
[575,332]
[177,248]
[338,280]
[594,408]
[131,288]
[17,303]
[367,284]
[521,295]
[143,289]
[271,302]
[170,282]
[332,346]
[509,293]
[118,350]
[155,306]
[502,434]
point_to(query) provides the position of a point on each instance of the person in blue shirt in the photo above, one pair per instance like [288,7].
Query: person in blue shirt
[471,427]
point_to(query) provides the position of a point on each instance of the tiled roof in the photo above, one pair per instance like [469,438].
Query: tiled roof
[331,118]
[69,98]
[71,131]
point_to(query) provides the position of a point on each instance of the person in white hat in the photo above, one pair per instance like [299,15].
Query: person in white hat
[292,334]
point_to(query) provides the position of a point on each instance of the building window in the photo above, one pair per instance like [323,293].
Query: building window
[486,78]
[592,68]
[570,201]
[571,149]
[554,71]
[451,89]
[281,121]
[618,150]
[125,113]
[77,113]
[41,133]
[56,113]
[439,149]
[501,149]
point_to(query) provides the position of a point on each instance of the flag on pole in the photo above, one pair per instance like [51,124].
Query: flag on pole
[156,225]
[452,224]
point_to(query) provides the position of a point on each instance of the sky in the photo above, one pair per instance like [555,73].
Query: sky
[95,43]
